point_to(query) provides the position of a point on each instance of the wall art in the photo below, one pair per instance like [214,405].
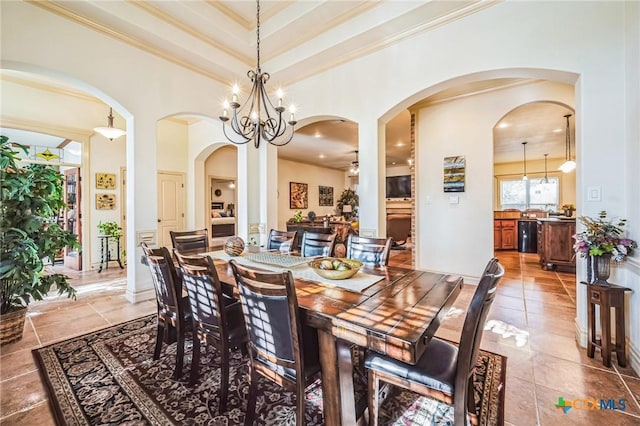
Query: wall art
[298,195]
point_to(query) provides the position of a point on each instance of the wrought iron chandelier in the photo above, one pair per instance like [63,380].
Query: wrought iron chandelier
[569,165]
[355,165]
[258,119]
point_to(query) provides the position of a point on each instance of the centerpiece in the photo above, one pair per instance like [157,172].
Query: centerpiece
[601,242]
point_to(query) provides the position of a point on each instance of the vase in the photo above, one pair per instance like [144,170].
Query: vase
[568,212]
[601,266]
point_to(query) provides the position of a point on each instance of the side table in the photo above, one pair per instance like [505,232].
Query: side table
[606,297]
[105,253]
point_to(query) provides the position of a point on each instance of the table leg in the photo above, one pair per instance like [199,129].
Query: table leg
[605,326]
[118,253]
[102,255]
[621,346]
[591,327]
[337,380]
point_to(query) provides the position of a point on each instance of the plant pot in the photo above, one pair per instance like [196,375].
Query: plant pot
[568,212]
[599,269]
[12,325]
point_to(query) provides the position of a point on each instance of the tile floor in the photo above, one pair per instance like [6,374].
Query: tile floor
[531,322]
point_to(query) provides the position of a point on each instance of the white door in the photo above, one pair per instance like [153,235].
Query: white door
[170,206]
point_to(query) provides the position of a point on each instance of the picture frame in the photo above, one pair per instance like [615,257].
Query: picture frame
[298,195]
[105,201]
[325,195]
[105,181]
[454,173]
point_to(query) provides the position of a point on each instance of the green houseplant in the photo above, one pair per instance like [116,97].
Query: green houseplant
[32,197]
[348,197]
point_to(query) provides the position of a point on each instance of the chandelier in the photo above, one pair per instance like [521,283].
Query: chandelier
[355,165]
[110,132]
[569,165]
[258,119]
[524,154]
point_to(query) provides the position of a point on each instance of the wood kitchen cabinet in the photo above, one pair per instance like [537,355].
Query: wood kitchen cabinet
[504,234]
[555,244]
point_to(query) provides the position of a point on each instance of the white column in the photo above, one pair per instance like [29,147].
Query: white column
[371,187]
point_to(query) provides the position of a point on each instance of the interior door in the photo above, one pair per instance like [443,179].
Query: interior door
[73,216]
[170,206]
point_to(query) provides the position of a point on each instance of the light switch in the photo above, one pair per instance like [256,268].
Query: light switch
[429,200]
[454,199]
[593,193]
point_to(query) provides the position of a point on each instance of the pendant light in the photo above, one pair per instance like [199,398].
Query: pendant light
[546,178]
[569,165]
[355,165]
[110,132]
[524,154]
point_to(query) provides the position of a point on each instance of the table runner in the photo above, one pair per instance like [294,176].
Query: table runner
[359,282]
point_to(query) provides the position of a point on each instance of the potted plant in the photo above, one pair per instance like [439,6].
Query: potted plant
[601,242]
[32,197]
[350,198]
[112,230]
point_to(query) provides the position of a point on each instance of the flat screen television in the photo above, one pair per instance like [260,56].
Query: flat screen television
[399,186]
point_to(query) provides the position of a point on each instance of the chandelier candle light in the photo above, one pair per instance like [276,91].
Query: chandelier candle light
[110,132]
[258,119]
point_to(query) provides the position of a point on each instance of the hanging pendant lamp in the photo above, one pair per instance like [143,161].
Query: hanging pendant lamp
[355,165]
[110,132]
[524,154]
[546,178]
[569,165]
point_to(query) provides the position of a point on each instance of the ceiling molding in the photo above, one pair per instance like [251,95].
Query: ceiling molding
[72,16]
[161,15]
[75,134]
[48,88]
[230,14]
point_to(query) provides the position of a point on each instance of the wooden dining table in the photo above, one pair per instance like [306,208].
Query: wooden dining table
[396,316]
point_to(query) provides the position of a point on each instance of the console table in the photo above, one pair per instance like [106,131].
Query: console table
[105,253]
[606,297]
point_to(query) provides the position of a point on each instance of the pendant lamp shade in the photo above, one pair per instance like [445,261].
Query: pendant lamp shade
[569,165]
[110,132]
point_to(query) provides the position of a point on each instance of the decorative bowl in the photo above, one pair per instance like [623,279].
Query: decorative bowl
[321,267]
[234,246]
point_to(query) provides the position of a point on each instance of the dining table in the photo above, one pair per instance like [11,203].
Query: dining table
[390,310]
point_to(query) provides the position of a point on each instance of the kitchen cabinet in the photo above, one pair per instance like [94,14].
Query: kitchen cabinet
[555,244]
[504,234]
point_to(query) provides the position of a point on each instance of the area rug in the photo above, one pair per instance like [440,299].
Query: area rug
[109,377]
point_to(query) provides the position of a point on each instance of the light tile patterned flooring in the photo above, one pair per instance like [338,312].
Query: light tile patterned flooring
[531,322]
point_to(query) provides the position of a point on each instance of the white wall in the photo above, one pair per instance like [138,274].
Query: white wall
[173,139]
[314,176]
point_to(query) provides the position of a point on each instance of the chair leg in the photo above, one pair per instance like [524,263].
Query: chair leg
[300,404]
[195,360]
[179,351]
[224,378]
[159,339]
[373,383]
[251,397]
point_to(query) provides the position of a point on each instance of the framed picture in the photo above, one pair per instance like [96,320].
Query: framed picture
[325,195]
[454,174]
[105,181]
[105,201]
[298,195]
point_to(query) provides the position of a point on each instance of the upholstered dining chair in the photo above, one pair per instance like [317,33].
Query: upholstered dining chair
[280,347]
[174,311]
[278,238]
[217,320]
[190,240]
[373,251]
[445,371]
[317,244]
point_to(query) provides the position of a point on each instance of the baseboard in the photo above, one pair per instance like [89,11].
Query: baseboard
[634,358]
[581,334]
[140,296]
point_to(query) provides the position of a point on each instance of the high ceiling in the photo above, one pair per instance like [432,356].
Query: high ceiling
[300,38]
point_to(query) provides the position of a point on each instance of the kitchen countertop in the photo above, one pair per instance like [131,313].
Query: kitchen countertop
[557,219]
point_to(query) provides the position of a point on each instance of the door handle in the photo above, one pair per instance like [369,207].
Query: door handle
[159,220]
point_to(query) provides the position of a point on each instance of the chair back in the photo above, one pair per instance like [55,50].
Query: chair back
[203,286]
[270,310]
[317,244]
[473,328]
[373,251]
[277,238]
[166,282]
[399,227]
[190,240]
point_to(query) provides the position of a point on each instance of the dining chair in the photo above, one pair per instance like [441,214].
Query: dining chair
[217,320]
[174,311]
[281,348]
[278,238]
[317,244]
[445,371]
[190,240]
[373,251]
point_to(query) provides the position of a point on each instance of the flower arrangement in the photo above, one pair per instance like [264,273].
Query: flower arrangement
[568,207]
[603,236]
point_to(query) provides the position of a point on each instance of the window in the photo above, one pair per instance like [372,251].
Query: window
[529,194]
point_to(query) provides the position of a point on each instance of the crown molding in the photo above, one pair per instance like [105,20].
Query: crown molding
[75,134]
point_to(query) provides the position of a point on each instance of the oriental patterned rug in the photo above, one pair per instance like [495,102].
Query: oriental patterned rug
[109,377]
